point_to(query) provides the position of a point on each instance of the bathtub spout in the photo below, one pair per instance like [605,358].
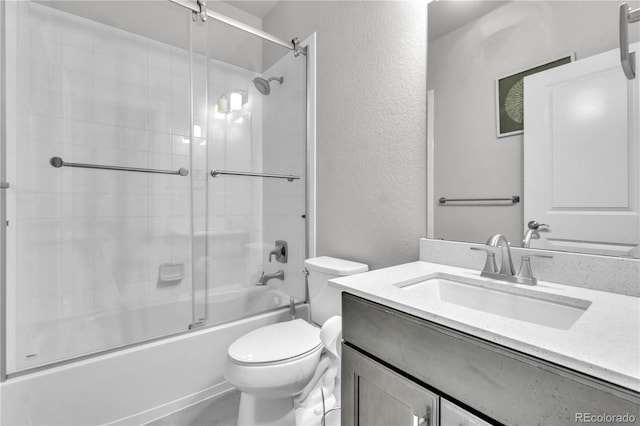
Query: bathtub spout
[264,279]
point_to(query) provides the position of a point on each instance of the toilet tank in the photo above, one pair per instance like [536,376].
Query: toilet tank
[325,300]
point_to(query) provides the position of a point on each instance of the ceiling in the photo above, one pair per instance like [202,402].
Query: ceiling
[446,16]
[259,9]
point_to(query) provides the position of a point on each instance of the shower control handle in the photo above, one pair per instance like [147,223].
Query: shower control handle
[281,252]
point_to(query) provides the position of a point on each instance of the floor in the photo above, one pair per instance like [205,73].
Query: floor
[219,411]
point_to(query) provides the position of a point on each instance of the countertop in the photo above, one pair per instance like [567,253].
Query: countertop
[604,342]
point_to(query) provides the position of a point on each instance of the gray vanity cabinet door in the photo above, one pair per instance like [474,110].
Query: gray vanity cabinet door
[452,415]
[373,395]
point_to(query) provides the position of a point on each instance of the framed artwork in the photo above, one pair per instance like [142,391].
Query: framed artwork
[510,98]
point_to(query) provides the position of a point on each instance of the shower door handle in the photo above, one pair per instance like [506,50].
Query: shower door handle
[627,59]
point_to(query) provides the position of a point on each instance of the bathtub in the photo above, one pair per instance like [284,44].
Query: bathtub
[141,383]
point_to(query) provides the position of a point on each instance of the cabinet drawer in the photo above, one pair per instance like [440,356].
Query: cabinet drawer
[452,415]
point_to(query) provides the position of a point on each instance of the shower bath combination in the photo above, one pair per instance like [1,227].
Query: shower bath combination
[263,85]
[155,252]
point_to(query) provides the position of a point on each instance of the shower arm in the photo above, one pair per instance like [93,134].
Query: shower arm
[627,59]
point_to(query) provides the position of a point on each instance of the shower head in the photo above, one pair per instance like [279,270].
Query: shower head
[263,85]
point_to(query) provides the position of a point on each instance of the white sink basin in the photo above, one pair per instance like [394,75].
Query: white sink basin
[503,299]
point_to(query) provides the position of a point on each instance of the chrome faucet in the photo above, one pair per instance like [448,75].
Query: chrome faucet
[506,271]
[265,278]
[506,264]
[533,232]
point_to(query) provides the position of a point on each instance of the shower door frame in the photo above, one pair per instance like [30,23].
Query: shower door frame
[307,48]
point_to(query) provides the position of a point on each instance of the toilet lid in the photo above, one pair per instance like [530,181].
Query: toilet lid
[276,342]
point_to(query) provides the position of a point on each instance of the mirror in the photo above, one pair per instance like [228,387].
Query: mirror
[478,52]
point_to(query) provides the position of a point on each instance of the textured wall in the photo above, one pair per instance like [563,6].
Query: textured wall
[371,124]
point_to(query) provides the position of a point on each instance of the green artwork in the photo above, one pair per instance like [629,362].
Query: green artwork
[510,98]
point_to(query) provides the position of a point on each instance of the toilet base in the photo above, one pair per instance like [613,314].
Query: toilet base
[265,412]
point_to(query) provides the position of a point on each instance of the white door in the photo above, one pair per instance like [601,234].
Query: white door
[581,156]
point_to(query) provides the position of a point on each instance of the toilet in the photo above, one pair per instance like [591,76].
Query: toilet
[273,364]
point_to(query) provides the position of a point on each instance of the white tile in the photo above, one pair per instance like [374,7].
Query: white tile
[45,23]
[108,182]
[46,76]
[107,40]
[76,230]
[46,102]
[107,205]
[180,120]
[76,32]
[180,145]
[74,59]
[107,66]
[158,55]
[47,128]
[159,142]
[79,132]
[180,205]
[134,49]
[134,139]
[81,206]
[134,205]
[134,295]
[159,205]
[159,227]
[77,82]
[107,298]
[134,227]
[108,111]
[180,225]
[78,106]
[106,136]
[135,73]
[159,81]
[44,51]
[158,117]
[136,183]
[108,229]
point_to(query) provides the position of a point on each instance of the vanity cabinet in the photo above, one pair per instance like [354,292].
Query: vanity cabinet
[379,396]
[399,369]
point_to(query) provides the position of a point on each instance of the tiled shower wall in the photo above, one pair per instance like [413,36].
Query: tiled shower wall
[284,152]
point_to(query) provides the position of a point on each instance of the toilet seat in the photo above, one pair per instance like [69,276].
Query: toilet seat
[276,343]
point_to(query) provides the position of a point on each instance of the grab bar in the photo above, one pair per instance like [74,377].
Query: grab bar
[216,173]
[58,162]
[627,59]
[514,199]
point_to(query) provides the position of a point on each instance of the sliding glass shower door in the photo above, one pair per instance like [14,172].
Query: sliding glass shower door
[97,257]
[256,128]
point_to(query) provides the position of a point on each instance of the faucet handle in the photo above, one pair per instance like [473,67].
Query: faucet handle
[525,267]
[490,264]
[535,226]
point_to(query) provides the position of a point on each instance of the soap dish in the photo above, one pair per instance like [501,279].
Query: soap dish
[171,272]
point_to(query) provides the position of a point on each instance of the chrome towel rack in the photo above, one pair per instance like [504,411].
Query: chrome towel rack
[514,199]
[216,173]
[58,162]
